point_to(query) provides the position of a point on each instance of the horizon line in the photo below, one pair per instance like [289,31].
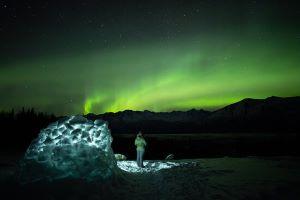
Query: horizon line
[146,110]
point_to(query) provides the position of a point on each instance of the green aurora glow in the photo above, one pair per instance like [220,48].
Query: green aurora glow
[206,66]
[177,76]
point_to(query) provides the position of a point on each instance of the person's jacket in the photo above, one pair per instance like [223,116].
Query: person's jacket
[140,143]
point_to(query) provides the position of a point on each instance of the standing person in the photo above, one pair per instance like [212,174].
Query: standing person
[140,144]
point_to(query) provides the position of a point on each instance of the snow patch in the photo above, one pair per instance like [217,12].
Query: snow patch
[150,166]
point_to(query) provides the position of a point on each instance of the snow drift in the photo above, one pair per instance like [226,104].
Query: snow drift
[73,147]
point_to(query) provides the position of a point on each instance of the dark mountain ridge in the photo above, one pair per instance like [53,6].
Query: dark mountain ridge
[273,114]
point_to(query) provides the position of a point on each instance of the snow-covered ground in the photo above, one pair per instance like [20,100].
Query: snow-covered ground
[217,178]
[210,178]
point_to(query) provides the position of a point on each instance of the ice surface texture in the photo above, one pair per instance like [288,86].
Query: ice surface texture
[72,147]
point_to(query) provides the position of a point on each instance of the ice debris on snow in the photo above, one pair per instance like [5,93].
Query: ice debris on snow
[119,156]
[72,147]
[170,157]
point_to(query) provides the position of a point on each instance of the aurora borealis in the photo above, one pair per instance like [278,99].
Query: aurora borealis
[91,56]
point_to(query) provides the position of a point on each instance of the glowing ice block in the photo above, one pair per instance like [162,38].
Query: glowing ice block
[72,147]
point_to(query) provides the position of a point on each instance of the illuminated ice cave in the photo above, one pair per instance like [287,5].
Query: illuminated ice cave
[72,147]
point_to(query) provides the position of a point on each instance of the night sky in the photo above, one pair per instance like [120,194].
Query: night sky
[72,57]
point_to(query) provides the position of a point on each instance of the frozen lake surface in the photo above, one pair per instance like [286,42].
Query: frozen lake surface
[209,178]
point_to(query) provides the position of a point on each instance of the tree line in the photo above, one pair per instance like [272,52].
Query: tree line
[19,128]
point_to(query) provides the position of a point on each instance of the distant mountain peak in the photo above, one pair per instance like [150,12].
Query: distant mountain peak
[274,97]
[193,110]
[270,114]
